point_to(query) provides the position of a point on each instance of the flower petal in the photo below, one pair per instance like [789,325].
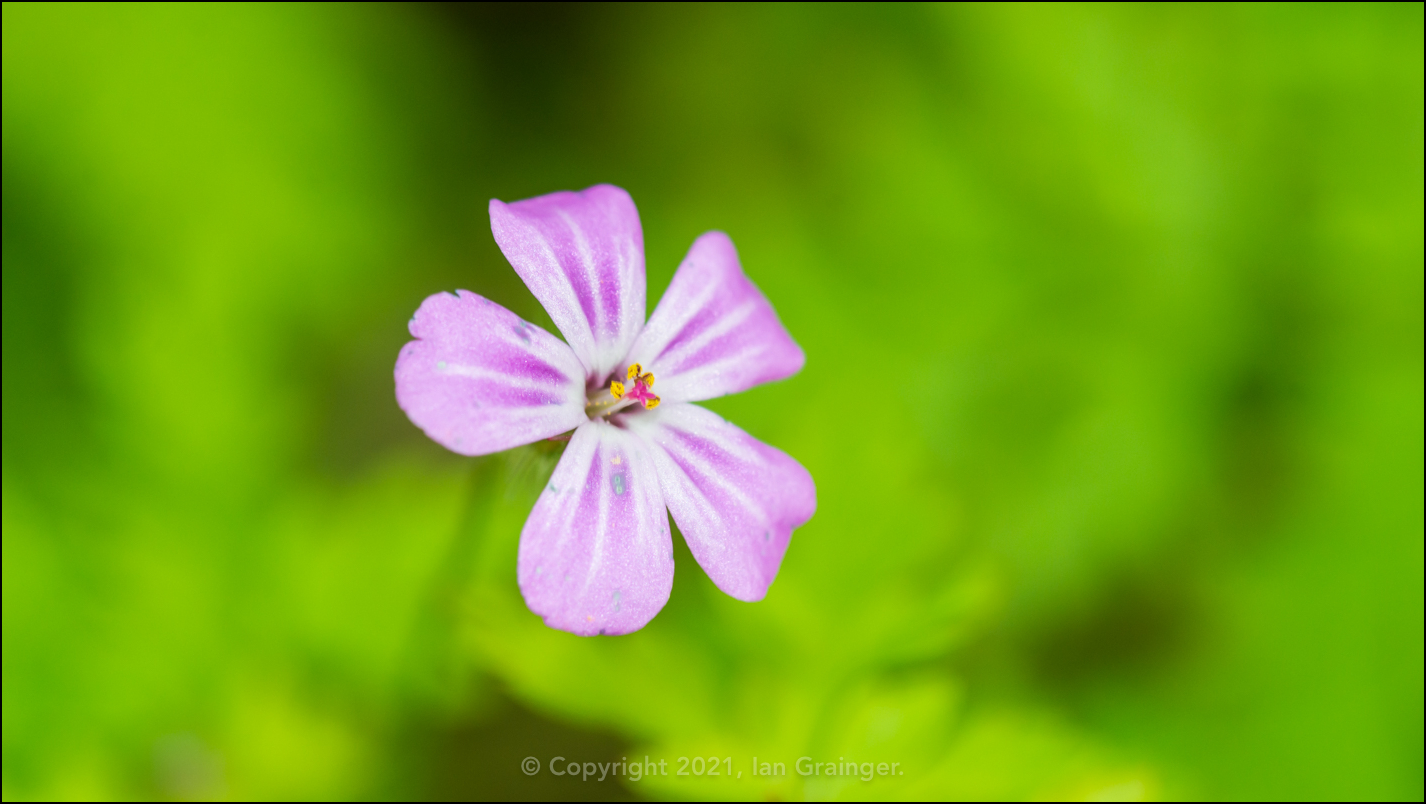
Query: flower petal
[480,380]
[736,499]
[596,556]
[582,255]
[713,332]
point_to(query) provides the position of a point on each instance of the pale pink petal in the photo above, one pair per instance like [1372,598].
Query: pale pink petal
[582,255]
[713,332]
[736,499]
[596,556]
[480,380]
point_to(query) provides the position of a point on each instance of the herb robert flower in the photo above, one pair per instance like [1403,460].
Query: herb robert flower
[596,554]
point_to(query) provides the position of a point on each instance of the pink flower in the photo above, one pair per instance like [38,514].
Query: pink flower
[596,555]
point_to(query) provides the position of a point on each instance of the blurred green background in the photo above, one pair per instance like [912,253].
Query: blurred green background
[1113,398]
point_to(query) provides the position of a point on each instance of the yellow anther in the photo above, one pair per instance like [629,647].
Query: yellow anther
[635,370]
[617,389]
[651,403]
[648,379]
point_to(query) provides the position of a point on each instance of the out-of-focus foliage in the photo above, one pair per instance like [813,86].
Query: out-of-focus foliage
[1114,398]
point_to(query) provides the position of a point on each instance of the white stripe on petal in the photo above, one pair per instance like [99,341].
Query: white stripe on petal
[591,239]
[595,554]
[729,337]
[736,499]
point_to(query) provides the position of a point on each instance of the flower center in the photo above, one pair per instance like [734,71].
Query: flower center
[637,388]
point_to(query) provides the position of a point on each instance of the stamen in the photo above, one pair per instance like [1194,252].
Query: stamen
[621,395]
